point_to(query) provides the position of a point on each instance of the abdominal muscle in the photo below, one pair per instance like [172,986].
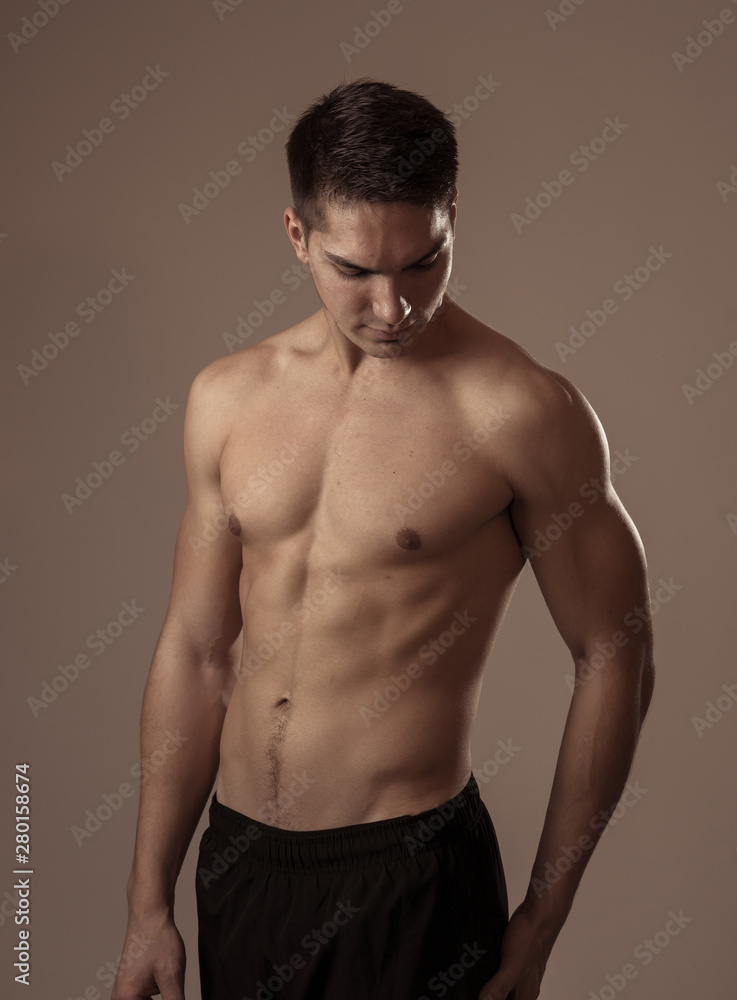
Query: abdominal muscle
[354,700]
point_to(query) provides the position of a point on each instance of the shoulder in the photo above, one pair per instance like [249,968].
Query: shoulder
[546,421]
[225,389]
[235,373]
[229,380]
[555,442]
[533,396]
[544,403]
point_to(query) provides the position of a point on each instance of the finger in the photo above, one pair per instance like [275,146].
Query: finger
[498,988]
[173,991]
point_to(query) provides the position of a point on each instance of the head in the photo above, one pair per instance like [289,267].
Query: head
[373,176]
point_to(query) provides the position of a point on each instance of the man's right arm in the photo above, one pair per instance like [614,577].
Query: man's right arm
[189,684]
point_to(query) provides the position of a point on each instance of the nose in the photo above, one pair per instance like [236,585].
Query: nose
[389,305]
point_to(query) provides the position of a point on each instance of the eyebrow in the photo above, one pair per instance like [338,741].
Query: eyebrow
[337,259]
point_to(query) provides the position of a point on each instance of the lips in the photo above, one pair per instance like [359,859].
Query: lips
[389,334]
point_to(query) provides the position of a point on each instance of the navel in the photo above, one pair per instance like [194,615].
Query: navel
[234,524]
[407,538]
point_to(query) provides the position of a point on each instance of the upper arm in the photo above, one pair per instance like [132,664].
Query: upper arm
[583,547]
[204,609]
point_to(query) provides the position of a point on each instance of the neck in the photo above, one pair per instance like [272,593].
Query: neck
[349,359]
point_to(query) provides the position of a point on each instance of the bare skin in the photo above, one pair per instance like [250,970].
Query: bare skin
[360,582]
[358,505]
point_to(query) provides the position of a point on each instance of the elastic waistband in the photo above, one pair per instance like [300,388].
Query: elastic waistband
[400,837]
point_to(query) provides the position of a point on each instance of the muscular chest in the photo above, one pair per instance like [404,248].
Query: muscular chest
[412,476]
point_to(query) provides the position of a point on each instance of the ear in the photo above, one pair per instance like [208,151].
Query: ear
[454,210]
[296,234]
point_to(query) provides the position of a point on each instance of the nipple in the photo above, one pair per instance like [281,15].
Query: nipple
[234,524]
[407,538]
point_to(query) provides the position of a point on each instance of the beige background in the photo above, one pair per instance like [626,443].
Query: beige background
[67,574]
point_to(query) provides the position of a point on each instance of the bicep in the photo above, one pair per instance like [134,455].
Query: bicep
[204,608]
[582,545]
[591,574]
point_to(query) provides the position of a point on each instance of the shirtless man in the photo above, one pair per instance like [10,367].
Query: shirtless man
[364,491]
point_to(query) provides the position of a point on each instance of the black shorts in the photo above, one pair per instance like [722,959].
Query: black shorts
[400,909]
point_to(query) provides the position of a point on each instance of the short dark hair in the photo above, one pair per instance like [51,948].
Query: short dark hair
[370,141]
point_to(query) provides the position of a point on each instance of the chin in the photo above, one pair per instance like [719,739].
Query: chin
[389,350]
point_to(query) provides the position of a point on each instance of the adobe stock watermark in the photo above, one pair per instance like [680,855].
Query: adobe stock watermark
[223,861]
[462,110]
[635,620]
[453,290]
[645,953]
[292,278]
[425,830]
[238,844]
[224,7]
[728,188]
[430,652]
[111,803]
[491,767]
[245,327]
[715,711]
[92,138]
[592,490]
[565,10]
[424,148]
[106,973]
[603,821]
[457,113]
[311,943]
[9,906]
[7,569]
[255,656]
[88,310]
[463,448]
[695,46]
[581,158]
[248,148]
[625,288]
[30,26]
[705,378]
[448,979]
[98,641]
[284,799]
[132,438]
[257,483]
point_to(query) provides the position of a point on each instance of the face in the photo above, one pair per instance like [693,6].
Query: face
[380,270]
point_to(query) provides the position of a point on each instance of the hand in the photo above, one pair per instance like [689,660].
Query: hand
[153,961]
[525,952]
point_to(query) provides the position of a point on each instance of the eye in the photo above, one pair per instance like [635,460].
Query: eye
[349,276]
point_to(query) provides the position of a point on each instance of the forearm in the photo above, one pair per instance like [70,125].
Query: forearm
[598,746]
[186,695]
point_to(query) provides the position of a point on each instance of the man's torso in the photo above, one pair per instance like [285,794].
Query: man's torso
[378,559]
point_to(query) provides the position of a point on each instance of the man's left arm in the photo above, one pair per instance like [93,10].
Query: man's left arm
[590,565]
